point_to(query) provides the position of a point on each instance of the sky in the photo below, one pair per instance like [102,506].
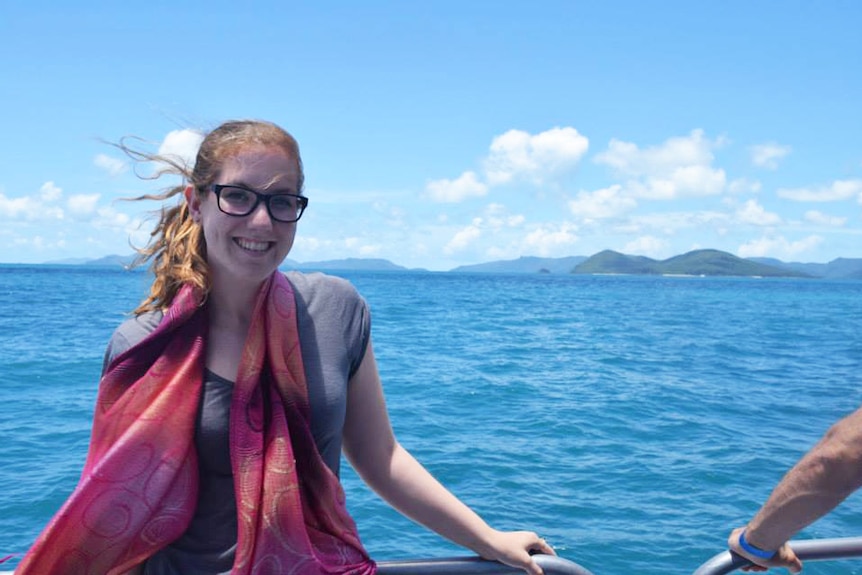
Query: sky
[444,133]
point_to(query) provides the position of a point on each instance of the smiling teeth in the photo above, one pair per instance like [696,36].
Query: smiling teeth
[252,245]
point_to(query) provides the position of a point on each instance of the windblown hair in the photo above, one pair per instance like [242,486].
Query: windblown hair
[176,250]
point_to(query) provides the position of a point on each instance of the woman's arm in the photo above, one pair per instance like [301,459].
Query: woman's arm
[404,483]
[821,480]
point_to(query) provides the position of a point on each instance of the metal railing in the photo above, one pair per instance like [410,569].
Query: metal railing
[720,564]
[805,549]
[550,564]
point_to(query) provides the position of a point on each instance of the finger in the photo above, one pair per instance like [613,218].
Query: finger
[795,566]
[533,568]
[785,557]
[546,547]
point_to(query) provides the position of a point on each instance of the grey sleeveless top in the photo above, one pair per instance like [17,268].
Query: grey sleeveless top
[334,329]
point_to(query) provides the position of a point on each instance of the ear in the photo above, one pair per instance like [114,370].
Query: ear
[194,203]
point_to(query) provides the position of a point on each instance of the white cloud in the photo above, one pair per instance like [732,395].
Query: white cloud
[113,166]
[498,217]
[837,191]
[778,247]
[743,186]
[369,250]
[466,186]
[753,213]
[673,222]
[307,243]
[694,181]
[650,246]
[767,155]
[464,237]
[546,239]
[680,167]
[494,221]
[12,208]
[357,245]
[38,243]
[605,203]
[821,219]
[181,146]
[517,154]
[396,216]
[83,204]
[107,217]
[49,192]
[628,159]
[38,207]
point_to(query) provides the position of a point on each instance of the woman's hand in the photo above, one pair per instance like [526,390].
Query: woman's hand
[784,557]
[515,548]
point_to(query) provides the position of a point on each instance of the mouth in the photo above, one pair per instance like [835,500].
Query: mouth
[253,245]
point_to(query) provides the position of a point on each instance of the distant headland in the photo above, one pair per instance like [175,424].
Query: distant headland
[705,262]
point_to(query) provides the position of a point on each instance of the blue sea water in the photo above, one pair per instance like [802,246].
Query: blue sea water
[631,421]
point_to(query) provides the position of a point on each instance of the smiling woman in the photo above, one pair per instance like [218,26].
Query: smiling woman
[247,247]
[226,400]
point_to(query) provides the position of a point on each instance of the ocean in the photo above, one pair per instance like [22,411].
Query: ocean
[632,421]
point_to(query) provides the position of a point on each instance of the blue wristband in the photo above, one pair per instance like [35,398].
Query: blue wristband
[752,550]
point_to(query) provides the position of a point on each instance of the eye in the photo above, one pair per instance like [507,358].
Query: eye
[236,195]
[282,202]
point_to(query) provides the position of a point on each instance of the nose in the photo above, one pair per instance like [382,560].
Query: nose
[260,216]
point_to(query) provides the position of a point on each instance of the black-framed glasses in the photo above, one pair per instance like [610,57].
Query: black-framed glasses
[239,201]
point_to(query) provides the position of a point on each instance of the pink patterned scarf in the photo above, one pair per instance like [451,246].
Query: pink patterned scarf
[138,490]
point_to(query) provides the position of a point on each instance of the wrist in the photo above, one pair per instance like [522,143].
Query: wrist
[753,549]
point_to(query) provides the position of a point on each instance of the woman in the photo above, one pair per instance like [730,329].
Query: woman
[226,401]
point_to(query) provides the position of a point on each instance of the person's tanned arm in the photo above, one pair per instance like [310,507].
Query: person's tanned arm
[822,479]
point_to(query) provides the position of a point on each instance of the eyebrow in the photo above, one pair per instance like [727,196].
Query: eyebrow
[243,184]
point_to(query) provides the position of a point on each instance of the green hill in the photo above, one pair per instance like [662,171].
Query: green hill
[694,263]
[611,262]
[839,268]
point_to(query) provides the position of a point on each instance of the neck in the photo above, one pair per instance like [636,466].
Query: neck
[231,303]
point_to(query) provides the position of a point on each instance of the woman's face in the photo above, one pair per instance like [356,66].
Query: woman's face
[247,248]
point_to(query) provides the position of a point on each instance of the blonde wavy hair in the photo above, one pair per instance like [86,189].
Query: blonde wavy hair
[177,251]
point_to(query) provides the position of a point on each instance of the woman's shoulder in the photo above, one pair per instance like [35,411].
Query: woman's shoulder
[321,286]
[134,330]
[331,312]
[129,333]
